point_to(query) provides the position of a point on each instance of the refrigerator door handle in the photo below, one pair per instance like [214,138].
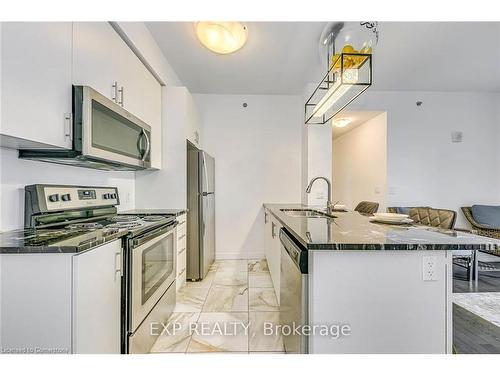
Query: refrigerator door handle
[204,175]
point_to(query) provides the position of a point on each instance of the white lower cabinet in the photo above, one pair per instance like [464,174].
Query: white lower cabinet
[62,302]
[181,251]
[97,300]
[35,84]
[272,249]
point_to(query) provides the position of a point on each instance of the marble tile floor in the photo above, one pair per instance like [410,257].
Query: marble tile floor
[225,312]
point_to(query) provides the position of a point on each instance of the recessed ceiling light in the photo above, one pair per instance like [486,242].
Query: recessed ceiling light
[222,37]
[341,122]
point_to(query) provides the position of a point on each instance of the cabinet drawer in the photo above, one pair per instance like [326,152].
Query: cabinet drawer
[182,219]
[181,247]
[181,265]
[181,233]
[180,281]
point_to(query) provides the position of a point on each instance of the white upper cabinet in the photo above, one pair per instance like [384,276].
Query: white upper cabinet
[96,51]
[41,61]
[35,84]
[140,94]
[102,60]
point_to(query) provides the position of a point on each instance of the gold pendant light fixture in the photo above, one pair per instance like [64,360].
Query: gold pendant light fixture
[349,71]
[221,37]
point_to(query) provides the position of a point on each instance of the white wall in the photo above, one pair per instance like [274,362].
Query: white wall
[317,157]
[319,162]
[166,188]
[424,166]
[16,173]
[257,153]
[360,164]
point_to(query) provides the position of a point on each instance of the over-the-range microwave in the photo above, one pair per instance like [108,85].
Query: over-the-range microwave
[104,135]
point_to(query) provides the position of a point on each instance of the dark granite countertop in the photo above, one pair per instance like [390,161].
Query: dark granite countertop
[155,211]
[32,241]
[353,231]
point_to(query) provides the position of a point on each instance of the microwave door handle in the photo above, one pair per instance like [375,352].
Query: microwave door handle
[148,145]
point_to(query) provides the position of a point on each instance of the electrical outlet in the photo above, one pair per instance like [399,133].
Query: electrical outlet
[429,268]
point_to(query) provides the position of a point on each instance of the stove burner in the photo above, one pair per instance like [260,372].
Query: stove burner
[124,225]
[125,218]
[84,226]
[153,218]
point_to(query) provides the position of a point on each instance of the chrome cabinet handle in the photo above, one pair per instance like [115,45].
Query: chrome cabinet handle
[120,91]
[181,272]
[265,217]
[180,252]
[68,124]
[114,92]
[182,222]
[181,237]
[273,226]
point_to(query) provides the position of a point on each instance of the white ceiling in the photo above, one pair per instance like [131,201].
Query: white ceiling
[275,60]
[282,57]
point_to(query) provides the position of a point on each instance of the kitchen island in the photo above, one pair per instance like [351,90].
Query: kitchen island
[390,285]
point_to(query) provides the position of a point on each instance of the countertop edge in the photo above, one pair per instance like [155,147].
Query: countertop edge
[274,210]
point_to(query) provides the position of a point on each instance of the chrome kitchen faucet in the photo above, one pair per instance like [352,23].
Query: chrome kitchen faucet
[329,205]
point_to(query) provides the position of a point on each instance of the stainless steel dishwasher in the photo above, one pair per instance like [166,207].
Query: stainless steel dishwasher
[293,293]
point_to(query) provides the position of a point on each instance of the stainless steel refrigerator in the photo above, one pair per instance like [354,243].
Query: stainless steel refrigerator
[201,212]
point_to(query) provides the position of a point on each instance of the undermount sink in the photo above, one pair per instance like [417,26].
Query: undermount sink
[308,213]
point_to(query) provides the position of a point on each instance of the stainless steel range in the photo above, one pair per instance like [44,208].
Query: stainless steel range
[82,215]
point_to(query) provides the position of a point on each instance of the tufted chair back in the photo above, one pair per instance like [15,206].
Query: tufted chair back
[433,217]
[367,208]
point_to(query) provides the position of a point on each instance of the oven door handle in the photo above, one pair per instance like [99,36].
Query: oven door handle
[141,240]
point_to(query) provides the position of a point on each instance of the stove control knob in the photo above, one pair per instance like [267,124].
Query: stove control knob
[66,197]
[106,196]
[113,196]
[54,198]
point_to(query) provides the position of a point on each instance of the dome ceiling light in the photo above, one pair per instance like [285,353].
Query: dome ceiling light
[222,37]
[341,122]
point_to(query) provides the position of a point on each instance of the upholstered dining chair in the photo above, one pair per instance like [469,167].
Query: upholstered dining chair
[487,229]
[433,217]
[366,208]
[485,221]
[400,210]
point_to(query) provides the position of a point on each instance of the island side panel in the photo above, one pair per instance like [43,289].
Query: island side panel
[382,296]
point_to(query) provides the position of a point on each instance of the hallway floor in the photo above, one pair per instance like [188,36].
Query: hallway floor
[225,312]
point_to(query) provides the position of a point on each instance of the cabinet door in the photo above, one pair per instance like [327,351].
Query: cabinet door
[96,56]
[141,96]
[268,240]
[97,299]
[36,82]
[181,252]
[275,257]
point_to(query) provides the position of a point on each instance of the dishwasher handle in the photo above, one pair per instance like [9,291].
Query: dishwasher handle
[296,252]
